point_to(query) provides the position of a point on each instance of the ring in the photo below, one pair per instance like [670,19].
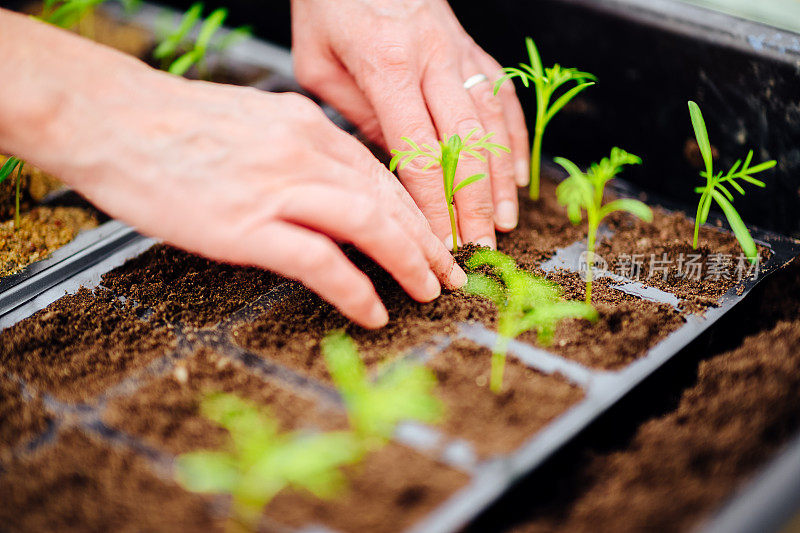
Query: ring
[474,80]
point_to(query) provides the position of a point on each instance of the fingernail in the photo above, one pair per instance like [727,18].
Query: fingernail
[432,287]
[505,216]
[457,278]
[378,317]
[486,241]
[523,173]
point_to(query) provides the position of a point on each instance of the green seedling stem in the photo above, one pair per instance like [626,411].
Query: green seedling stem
[586,191]
[402,392]
[524,302]
[447,156]
[195,51]
[546,82]
[6,170]
[716,186]
[260,461]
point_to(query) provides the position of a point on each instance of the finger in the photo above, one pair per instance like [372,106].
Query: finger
[358,219]
[329,80]
[314,260]
[453,112]
[503,177]
[514,117]
[395,200]
[395,94]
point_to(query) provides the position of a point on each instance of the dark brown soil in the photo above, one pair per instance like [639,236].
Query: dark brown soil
[81,344]
[290,332]
[683,465]
[627,328]
[42,231]
[543,227]
[80,484]
[184,288]
[496,423]
[21,419]
[166,414]
[389,491]
[671,234]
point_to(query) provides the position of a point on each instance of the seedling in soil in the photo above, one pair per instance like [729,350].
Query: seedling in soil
[586,191]
[195,51]
[715,187]
[261,461]
[524,302]
[546,82]
[5,171]
[404,392]
[447,156]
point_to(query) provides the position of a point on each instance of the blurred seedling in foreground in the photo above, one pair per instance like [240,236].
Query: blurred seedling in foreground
[11,164]
[261,461]
[183,46]
[524,302]
[447,156]
[716,186]
[546,82]
[403,392]
[585,192]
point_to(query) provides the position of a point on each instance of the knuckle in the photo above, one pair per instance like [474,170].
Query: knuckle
[467,123]
[487,101]
[316,257]
[393,56]
[478,210]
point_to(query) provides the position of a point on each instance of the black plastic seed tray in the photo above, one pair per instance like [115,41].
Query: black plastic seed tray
[489,478]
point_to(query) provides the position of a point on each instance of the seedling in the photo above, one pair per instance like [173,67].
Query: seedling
[447,156]
[546,82]
[524,302]
[716,190]
[195,51]
[261,461]
[585,192]
[5,171]
[402,392]
[69,13]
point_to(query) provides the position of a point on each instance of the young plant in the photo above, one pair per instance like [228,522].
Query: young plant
[715,187]
[403,392]
[261,461]
[584,192]
[546,82]
[524,302]
[195,51]
[447,156]
[6,170]
[69,13]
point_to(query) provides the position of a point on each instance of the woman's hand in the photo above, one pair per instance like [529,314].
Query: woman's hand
[397,68]
[231,173]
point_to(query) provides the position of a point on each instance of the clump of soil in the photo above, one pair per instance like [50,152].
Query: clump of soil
[166,412]
[392,489]
[21,419]
[627,328]
[663,249]
[42,231]
[291,330]
[543,227]
[81,484]
[183,288]
[81,344]
[680,466]
[496,423]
